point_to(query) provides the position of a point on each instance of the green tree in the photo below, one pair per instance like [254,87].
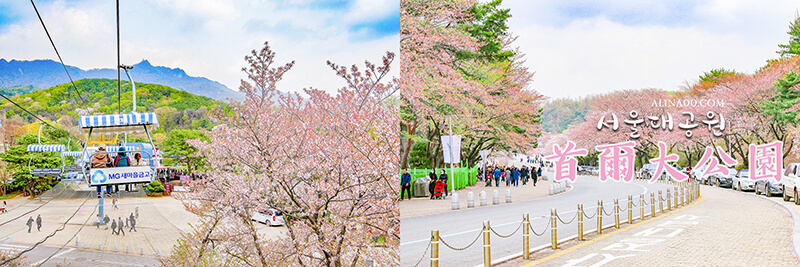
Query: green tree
[19,160]
[785,98]
[793,47]
[177,151]
[488,26]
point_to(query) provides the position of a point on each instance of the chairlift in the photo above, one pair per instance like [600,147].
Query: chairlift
[44,148]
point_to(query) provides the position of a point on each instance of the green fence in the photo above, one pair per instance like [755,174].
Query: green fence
[463,176]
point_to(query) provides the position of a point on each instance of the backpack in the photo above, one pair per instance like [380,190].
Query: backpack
[116,161]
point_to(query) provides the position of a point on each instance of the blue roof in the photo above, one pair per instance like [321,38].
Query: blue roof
[45,148]
[131,122]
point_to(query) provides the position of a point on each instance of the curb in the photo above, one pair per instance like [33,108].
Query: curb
[795,222]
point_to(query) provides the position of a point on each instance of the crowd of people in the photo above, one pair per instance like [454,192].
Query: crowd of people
[511,176]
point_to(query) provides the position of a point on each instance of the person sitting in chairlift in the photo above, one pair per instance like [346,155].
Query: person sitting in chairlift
[122,160]
[101,159]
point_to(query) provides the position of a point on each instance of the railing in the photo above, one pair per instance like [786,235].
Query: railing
[684,194]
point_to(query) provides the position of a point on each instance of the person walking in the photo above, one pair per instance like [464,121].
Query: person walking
[114,227]
[508,176]
[534,176]
[489,177]
[39,222]
[119,228]
[133,224]
[539,172]
[29,223]
[106,220]
[405,184]
[432,184]
[516,177]
[443,178]
[524,174]
[4,207]
[115,204]
[497,174]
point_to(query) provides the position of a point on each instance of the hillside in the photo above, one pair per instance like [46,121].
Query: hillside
[175,107]
[48,73]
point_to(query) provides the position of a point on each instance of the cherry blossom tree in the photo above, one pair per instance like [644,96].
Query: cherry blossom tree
[328,162]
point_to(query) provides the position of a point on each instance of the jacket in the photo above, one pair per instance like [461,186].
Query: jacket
[405,179]
[443,177]
[99,160]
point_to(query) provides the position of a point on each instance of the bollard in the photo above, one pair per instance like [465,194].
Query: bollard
[630,209]
[435,248]
[483,198]
[616,213]
[141,252]
[553,230]
[552,189]
[487,245]
[158,252]
[116,248]
[454,204]
[669,200]
[580,222]
[508,195]
[641,207]
[127,249]
[652,205]
[100,247]
[599,217]
[78,241]
[496,198]
[660,202]
[676,198]
[470,200]
[526,236]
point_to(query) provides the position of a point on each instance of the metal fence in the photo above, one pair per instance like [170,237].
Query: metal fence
[682,194]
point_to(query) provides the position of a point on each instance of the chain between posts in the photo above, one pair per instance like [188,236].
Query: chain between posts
[459,249]
[570,221]
[609,213]
[543,230]
[506,236]
[423,254]
[590,217]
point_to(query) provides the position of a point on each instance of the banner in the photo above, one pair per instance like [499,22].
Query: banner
[122,175]
[452,152]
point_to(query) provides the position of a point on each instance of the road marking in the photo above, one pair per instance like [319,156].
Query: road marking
[558,254]
[54,256]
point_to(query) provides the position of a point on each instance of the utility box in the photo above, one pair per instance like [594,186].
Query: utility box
[421,187]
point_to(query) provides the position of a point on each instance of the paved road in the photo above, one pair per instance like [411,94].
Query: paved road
[76,257]
[459,228]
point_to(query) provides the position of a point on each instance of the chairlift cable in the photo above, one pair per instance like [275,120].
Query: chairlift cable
[57,54]
[34,115]
[119,87]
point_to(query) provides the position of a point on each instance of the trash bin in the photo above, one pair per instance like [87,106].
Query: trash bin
[421,187]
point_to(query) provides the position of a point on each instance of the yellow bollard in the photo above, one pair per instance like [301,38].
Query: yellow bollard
[553,230]
[580,222]
[676,198]
[526,236]
[599,217]
[630,209]
[652,205]
[669,200]
[616,213]
[435,248]
[660,202]
[487,245]
[641,207]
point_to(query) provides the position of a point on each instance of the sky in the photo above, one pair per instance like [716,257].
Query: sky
[207,38]
[578,48]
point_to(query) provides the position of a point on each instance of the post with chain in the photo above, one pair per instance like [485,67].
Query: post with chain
[599,217]
[616,213]
[553,229]
[435,248]
[676,198]
[669,200]
[526,236]
[652,205]
[580,222]
[641,207]
[630,209]
[660,202]
[487,245]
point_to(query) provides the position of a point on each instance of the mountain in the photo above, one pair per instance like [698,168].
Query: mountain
[48,73]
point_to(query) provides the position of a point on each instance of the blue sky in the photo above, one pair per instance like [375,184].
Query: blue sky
[207,38]
[578,48]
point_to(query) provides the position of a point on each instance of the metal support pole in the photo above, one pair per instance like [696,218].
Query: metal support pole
[630,209]
[660,202]
[580,222]
[652,205]
[487,245]
[553,230]
[669,200]
[641,207]
[599,217]
[526,236]
[435,248]
[616,213]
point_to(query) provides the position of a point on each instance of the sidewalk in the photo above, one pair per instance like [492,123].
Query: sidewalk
[425,206]
[725,229]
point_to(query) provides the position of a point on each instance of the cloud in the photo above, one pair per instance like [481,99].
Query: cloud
[207,38]
[590,48]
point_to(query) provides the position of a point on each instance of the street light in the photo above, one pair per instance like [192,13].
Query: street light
[133,85]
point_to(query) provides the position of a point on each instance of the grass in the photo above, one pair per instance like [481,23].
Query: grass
[9,195]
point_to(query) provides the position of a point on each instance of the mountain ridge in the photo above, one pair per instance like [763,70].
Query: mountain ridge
[46,73]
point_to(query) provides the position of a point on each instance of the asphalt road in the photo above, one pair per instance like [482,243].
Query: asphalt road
[76,257]
[459,228]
